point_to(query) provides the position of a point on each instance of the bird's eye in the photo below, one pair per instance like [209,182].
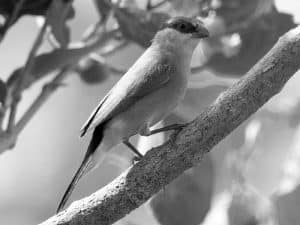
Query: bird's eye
[182,26]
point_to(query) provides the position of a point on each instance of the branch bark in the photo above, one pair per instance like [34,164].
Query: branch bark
[185,149]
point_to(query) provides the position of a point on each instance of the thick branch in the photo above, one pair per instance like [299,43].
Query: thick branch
[163,164]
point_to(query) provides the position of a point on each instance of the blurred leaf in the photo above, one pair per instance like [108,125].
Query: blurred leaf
[49,62]
[29,7]
[237,11]
[288,207]
[256,40]
[59,12]
[92,70]
[186,7]
[139,25]
[248,207]
[187,199]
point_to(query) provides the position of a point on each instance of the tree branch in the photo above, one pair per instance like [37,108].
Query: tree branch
[12,19]
[25,73]
[163,164]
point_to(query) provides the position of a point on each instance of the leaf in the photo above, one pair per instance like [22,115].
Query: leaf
[59,12]
[92,70]
[29,7]
[256,39]
[146,23]
[237,11]
[187,199]
[46,63]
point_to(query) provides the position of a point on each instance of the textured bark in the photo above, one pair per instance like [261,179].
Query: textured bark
[163,164]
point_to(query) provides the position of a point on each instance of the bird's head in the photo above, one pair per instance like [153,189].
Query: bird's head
[181,31]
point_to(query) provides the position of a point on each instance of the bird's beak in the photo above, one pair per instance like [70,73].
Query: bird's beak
[202,32]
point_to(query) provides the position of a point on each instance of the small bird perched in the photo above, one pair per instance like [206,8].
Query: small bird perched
[145,95]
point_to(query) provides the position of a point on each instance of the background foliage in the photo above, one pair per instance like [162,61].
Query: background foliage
[75,51]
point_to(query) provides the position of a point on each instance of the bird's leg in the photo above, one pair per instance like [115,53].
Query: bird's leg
[133,149]
[166,128]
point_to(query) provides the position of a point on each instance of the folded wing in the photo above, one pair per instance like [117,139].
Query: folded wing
[140,80]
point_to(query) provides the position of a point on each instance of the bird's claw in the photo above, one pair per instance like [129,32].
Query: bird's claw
[135,159]
[179,127]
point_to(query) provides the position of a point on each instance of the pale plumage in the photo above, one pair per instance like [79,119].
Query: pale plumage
[140,80]
[146,94]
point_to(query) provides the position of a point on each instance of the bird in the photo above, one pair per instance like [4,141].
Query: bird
[148,92]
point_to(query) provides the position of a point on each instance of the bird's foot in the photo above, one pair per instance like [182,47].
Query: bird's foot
[175,127]
[135,159]
[133,149]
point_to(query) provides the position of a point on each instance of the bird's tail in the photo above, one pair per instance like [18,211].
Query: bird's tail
[80,172]
[87,164]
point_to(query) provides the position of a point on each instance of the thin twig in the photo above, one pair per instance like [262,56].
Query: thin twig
[8,139]
[11,20]
[30,59]
[26,71]
[12,115]
[51,42]
[2,114]
[106,36]
[13,129]
[114,49]
[91,31]
[46,92]
[115,70]
[25,74]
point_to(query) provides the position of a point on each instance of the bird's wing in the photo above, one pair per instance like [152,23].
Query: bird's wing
[138,82]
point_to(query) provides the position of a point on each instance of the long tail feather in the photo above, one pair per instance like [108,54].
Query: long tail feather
[80,172]
[86,165]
